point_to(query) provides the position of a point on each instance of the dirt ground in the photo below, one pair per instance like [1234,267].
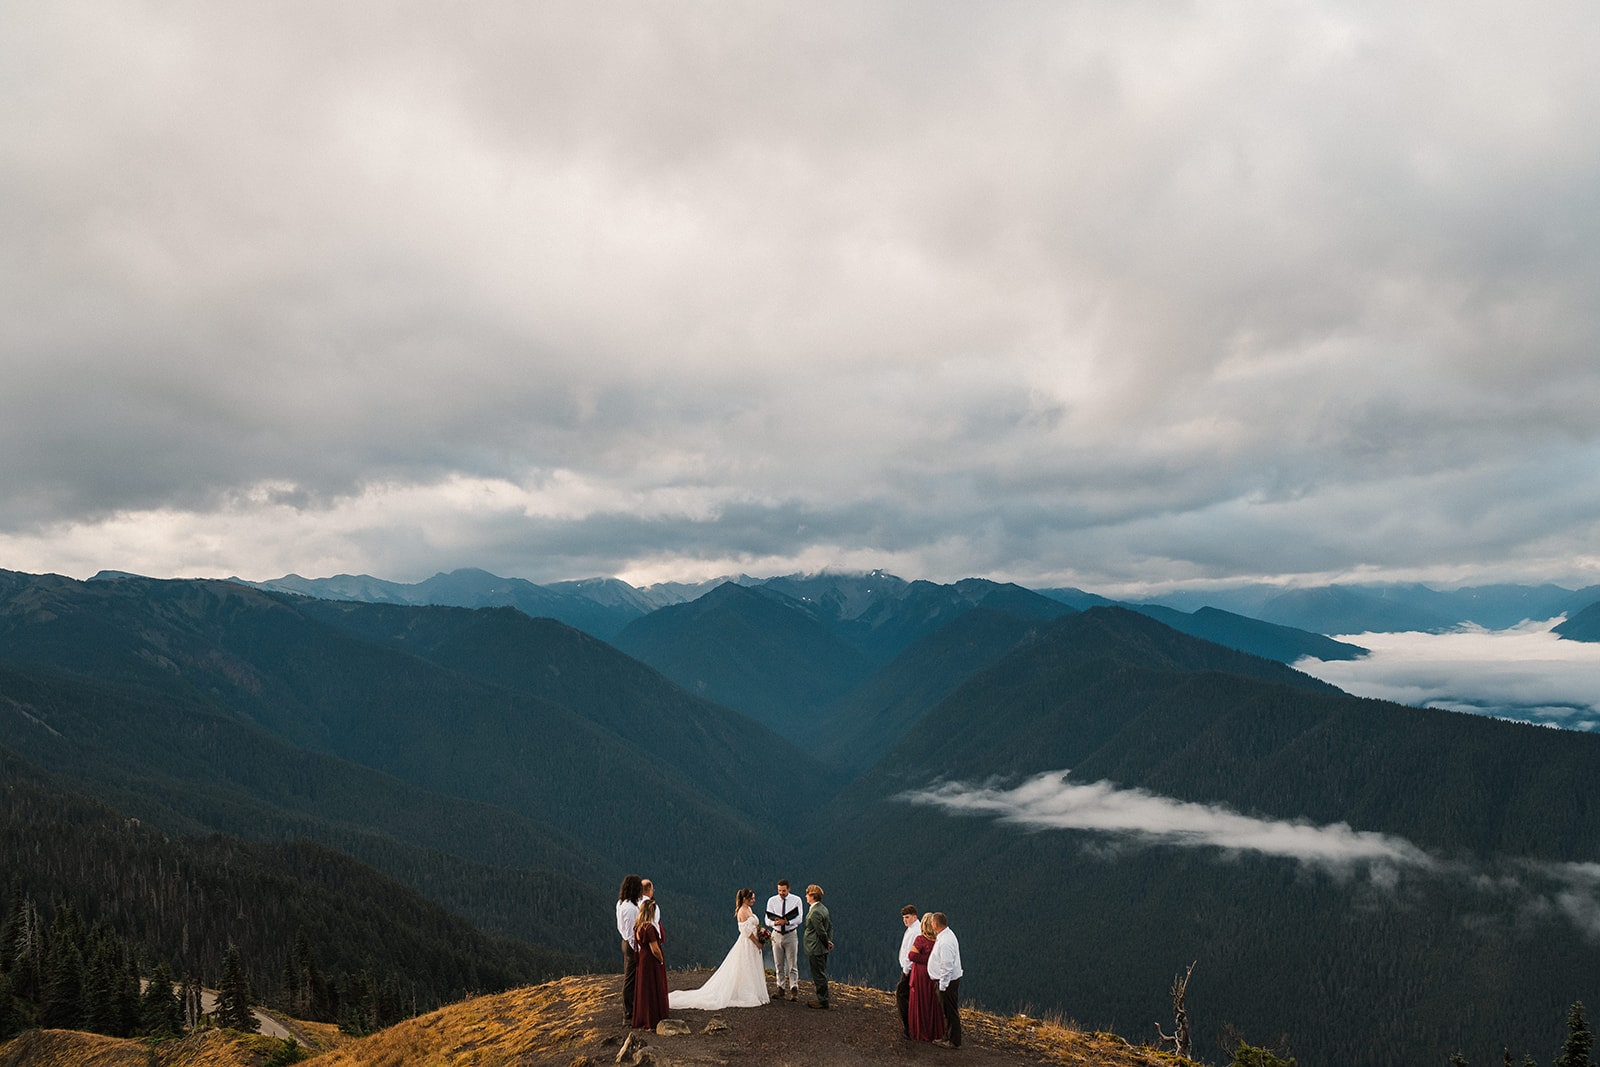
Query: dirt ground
[861,1027]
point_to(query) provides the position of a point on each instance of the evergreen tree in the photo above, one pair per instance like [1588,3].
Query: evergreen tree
[1580,1042]
[159,1010]
[25,949]
[62,1004]
[128,995]
[233,996]
[1247,1055]
[102,1013]
[10,1014]
[10,930]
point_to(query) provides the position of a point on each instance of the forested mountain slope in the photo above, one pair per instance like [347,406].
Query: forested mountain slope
[1202,820]
[183,901]
[229,708]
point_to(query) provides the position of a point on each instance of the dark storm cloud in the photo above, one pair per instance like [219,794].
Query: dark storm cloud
[1111,295]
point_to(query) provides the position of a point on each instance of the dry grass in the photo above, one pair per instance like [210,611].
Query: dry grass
[71,1048]
[575,1020]
[537,1024]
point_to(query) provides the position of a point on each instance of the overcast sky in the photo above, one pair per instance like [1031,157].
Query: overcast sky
[1118,295]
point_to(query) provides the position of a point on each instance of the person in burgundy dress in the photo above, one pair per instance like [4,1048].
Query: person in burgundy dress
[650,982]
[925,1014]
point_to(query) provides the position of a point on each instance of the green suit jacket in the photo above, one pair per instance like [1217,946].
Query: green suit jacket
[819,930]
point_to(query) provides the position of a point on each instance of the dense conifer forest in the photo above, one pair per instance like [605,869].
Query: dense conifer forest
[96,901]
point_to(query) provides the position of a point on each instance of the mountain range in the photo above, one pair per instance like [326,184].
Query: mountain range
[605,606]
[1096,795]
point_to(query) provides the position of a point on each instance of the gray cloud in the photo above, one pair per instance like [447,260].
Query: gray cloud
[1112,296]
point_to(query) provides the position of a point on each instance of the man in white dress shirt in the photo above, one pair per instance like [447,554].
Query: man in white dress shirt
[784,914]
[627,915]
[944,967]
[902,992]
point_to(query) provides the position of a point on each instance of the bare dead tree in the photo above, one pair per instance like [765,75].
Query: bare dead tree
[1179,1038]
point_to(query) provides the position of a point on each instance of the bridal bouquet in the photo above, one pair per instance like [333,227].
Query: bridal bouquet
[763,935]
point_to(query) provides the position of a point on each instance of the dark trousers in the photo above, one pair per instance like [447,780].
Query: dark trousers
[819,976]
[630,968]
[902,1000]
[950,1000]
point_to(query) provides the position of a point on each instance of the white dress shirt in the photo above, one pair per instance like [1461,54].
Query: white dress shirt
[780,906]
[627,917]
[944,962]
[906,943]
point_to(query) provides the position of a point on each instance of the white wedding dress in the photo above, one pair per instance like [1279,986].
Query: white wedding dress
[741,981]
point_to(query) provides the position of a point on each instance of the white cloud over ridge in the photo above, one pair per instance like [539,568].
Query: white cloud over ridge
[1535,890]
[1527,673]
[1052,801]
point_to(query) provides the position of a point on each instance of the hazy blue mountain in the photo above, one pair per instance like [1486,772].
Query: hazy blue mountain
[1582,626]
[1391,607]
[882,615]
[701,741]
[597,610]
[1078,598]
[751,649]
[1286,644]
[614,591]
[856,731]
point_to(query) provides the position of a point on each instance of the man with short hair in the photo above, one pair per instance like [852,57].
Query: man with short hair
[818,943]
[648,890]
[902,992]
[783,915]
[944,967]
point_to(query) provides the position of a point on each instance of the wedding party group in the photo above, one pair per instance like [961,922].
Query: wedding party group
[928,995]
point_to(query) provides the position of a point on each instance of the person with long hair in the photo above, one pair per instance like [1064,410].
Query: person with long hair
[627,919]
[741,980]
[650,986]
[924,1014]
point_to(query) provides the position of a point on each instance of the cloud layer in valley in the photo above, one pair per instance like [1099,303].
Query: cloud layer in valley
[1112,296]
[1052,801]
[1525,673]
[1502,887]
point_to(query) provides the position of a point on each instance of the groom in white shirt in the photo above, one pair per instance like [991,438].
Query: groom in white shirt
[944,967]
[783,915]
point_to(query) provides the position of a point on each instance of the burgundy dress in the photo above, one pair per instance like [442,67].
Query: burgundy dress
[650,983]
[926,1014]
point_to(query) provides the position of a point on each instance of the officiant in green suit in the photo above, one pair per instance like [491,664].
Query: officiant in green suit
[818,943]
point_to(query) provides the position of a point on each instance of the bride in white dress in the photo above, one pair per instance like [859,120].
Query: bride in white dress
[741,981]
